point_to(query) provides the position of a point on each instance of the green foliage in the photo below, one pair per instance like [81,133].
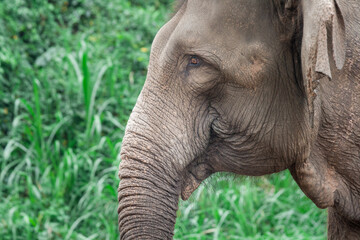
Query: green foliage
[247,208]
[70,73]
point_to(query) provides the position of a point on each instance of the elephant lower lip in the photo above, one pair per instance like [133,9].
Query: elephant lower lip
[190,184]
[187,191]
[194,174]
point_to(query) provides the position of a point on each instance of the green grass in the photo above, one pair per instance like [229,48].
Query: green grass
[70,73]
[228,207]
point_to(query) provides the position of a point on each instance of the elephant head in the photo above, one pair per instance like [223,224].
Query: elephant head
[232,86]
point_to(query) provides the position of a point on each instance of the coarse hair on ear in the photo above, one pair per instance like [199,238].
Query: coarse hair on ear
[323,33]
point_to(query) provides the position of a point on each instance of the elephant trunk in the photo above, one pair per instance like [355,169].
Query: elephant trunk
[159,143]
[148,200]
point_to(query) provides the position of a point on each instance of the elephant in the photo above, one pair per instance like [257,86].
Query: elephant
[249,87]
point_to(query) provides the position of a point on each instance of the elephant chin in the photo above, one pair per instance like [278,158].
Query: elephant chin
[195,173]
[190,184]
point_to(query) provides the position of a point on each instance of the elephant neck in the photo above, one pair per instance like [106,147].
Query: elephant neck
[334,155]
[340,228]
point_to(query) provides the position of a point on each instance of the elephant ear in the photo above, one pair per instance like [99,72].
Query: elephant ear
[323,33]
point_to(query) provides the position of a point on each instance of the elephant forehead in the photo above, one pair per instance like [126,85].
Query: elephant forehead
[226,15]
[214,21]
[229,8]
[223,26]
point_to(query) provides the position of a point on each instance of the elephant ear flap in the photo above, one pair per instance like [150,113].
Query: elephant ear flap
[323,33]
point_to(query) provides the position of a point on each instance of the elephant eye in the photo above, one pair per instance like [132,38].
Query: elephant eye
[194,61]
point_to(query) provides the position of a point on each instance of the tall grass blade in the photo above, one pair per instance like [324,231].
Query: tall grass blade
[39,142]
[86,84]
[75,224]
[76,67]
[97,86]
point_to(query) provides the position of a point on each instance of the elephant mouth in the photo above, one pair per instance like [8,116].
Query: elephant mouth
[194,174]
[189,186]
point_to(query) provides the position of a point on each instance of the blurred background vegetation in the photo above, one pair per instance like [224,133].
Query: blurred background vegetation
[70,73]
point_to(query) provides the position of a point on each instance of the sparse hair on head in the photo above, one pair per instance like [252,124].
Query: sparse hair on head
[177,4]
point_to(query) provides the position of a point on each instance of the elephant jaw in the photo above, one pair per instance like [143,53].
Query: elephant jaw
[189,186]
[194,174]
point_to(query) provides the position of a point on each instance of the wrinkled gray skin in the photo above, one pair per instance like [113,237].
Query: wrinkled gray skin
[251,87]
